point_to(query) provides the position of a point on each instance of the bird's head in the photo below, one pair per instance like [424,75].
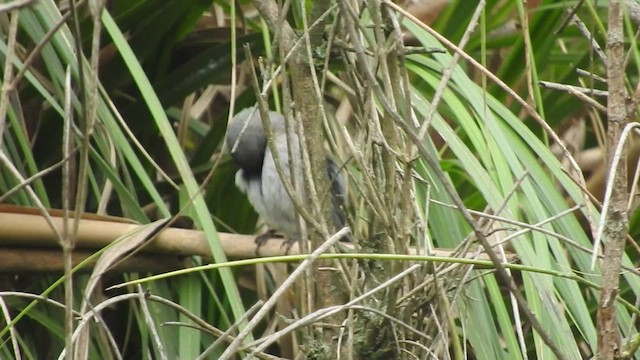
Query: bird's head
[246,139]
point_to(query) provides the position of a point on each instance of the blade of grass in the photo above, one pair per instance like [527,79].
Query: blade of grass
[202,219]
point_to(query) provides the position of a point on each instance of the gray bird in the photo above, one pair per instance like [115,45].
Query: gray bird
[258,177]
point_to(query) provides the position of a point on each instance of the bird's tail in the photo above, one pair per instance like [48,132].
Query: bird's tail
[338,197]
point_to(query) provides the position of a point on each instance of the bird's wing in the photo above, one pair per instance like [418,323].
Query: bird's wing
[338,193]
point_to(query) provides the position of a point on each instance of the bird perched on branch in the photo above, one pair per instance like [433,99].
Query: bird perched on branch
[258,177]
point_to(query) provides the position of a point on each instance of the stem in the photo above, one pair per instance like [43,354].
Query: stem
[616,227]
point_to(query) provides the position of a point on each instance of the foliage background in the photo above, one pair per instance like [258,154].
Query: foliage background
[147,139]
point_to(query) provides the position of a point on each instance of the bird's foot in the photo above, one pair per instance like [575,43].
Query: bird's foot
[262,239]
[288,243]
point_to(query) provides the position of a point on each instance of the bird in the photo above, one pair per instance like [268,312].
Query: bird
[258,177]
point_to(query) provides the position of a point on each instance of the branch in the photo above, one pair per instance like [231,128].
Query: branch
[616,227]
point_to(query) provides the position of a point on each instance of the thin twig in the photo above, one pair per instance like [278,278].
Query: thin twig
[430,159]
[271,302]
[67,241]
[13,333]
[569,88]
[151,326]
[610,188]
[8,73]
[582,28]
[15,5]
[448,71]
[326,312]
[250,312]
[87,317]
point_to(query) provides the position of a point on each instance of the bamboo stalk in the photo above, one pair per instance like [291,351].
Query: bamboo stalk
[29,235]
